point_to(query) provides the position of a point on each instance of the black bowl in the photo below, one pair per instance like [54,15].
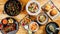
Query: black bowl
[12,7]
[55,26]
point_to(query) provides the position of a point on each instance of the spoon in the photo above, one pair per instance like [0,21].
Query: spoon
[58,29]
[51,33]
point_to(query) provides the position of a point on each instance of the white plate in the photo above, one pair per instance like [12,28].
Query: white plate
[29,11]
[53,17]
[48,13]
[44,21]
[37,26]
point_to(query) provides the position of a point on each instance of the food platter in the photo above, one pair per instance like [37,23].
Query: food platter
[33,26]
[51,28]
[51,10]
[9,25]
[25,22]
[12,7]
[29,24]
[33,8]
[32,21]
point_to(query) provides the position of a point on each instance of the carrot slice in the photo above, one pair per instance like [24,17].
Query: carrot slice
[4,21]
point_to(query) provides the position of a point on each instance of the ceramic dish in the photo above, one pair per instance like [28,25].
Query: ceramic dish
[42,18]
[33,8]
[50,9]
[26,22]
[12,7]
[33,26]
[10,25]
[51,28]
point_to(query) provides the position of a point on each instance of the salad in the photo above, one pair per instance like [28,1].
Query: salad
[33,7]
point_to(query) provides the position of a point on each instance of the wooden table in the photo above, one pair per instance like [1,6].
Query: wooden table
[24,13]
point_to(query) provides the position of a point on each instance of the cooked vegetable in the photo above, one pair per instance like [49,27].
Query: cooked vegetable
[10,20]
[9,24]
[42,18]
[4,21]
[33,7]
[51,27]
[26,21]
[12,8]
[33,26]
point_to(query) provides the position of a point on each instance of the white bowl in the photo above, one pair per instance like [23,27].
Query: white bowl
[30,27]
[44,21]
[38,9]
